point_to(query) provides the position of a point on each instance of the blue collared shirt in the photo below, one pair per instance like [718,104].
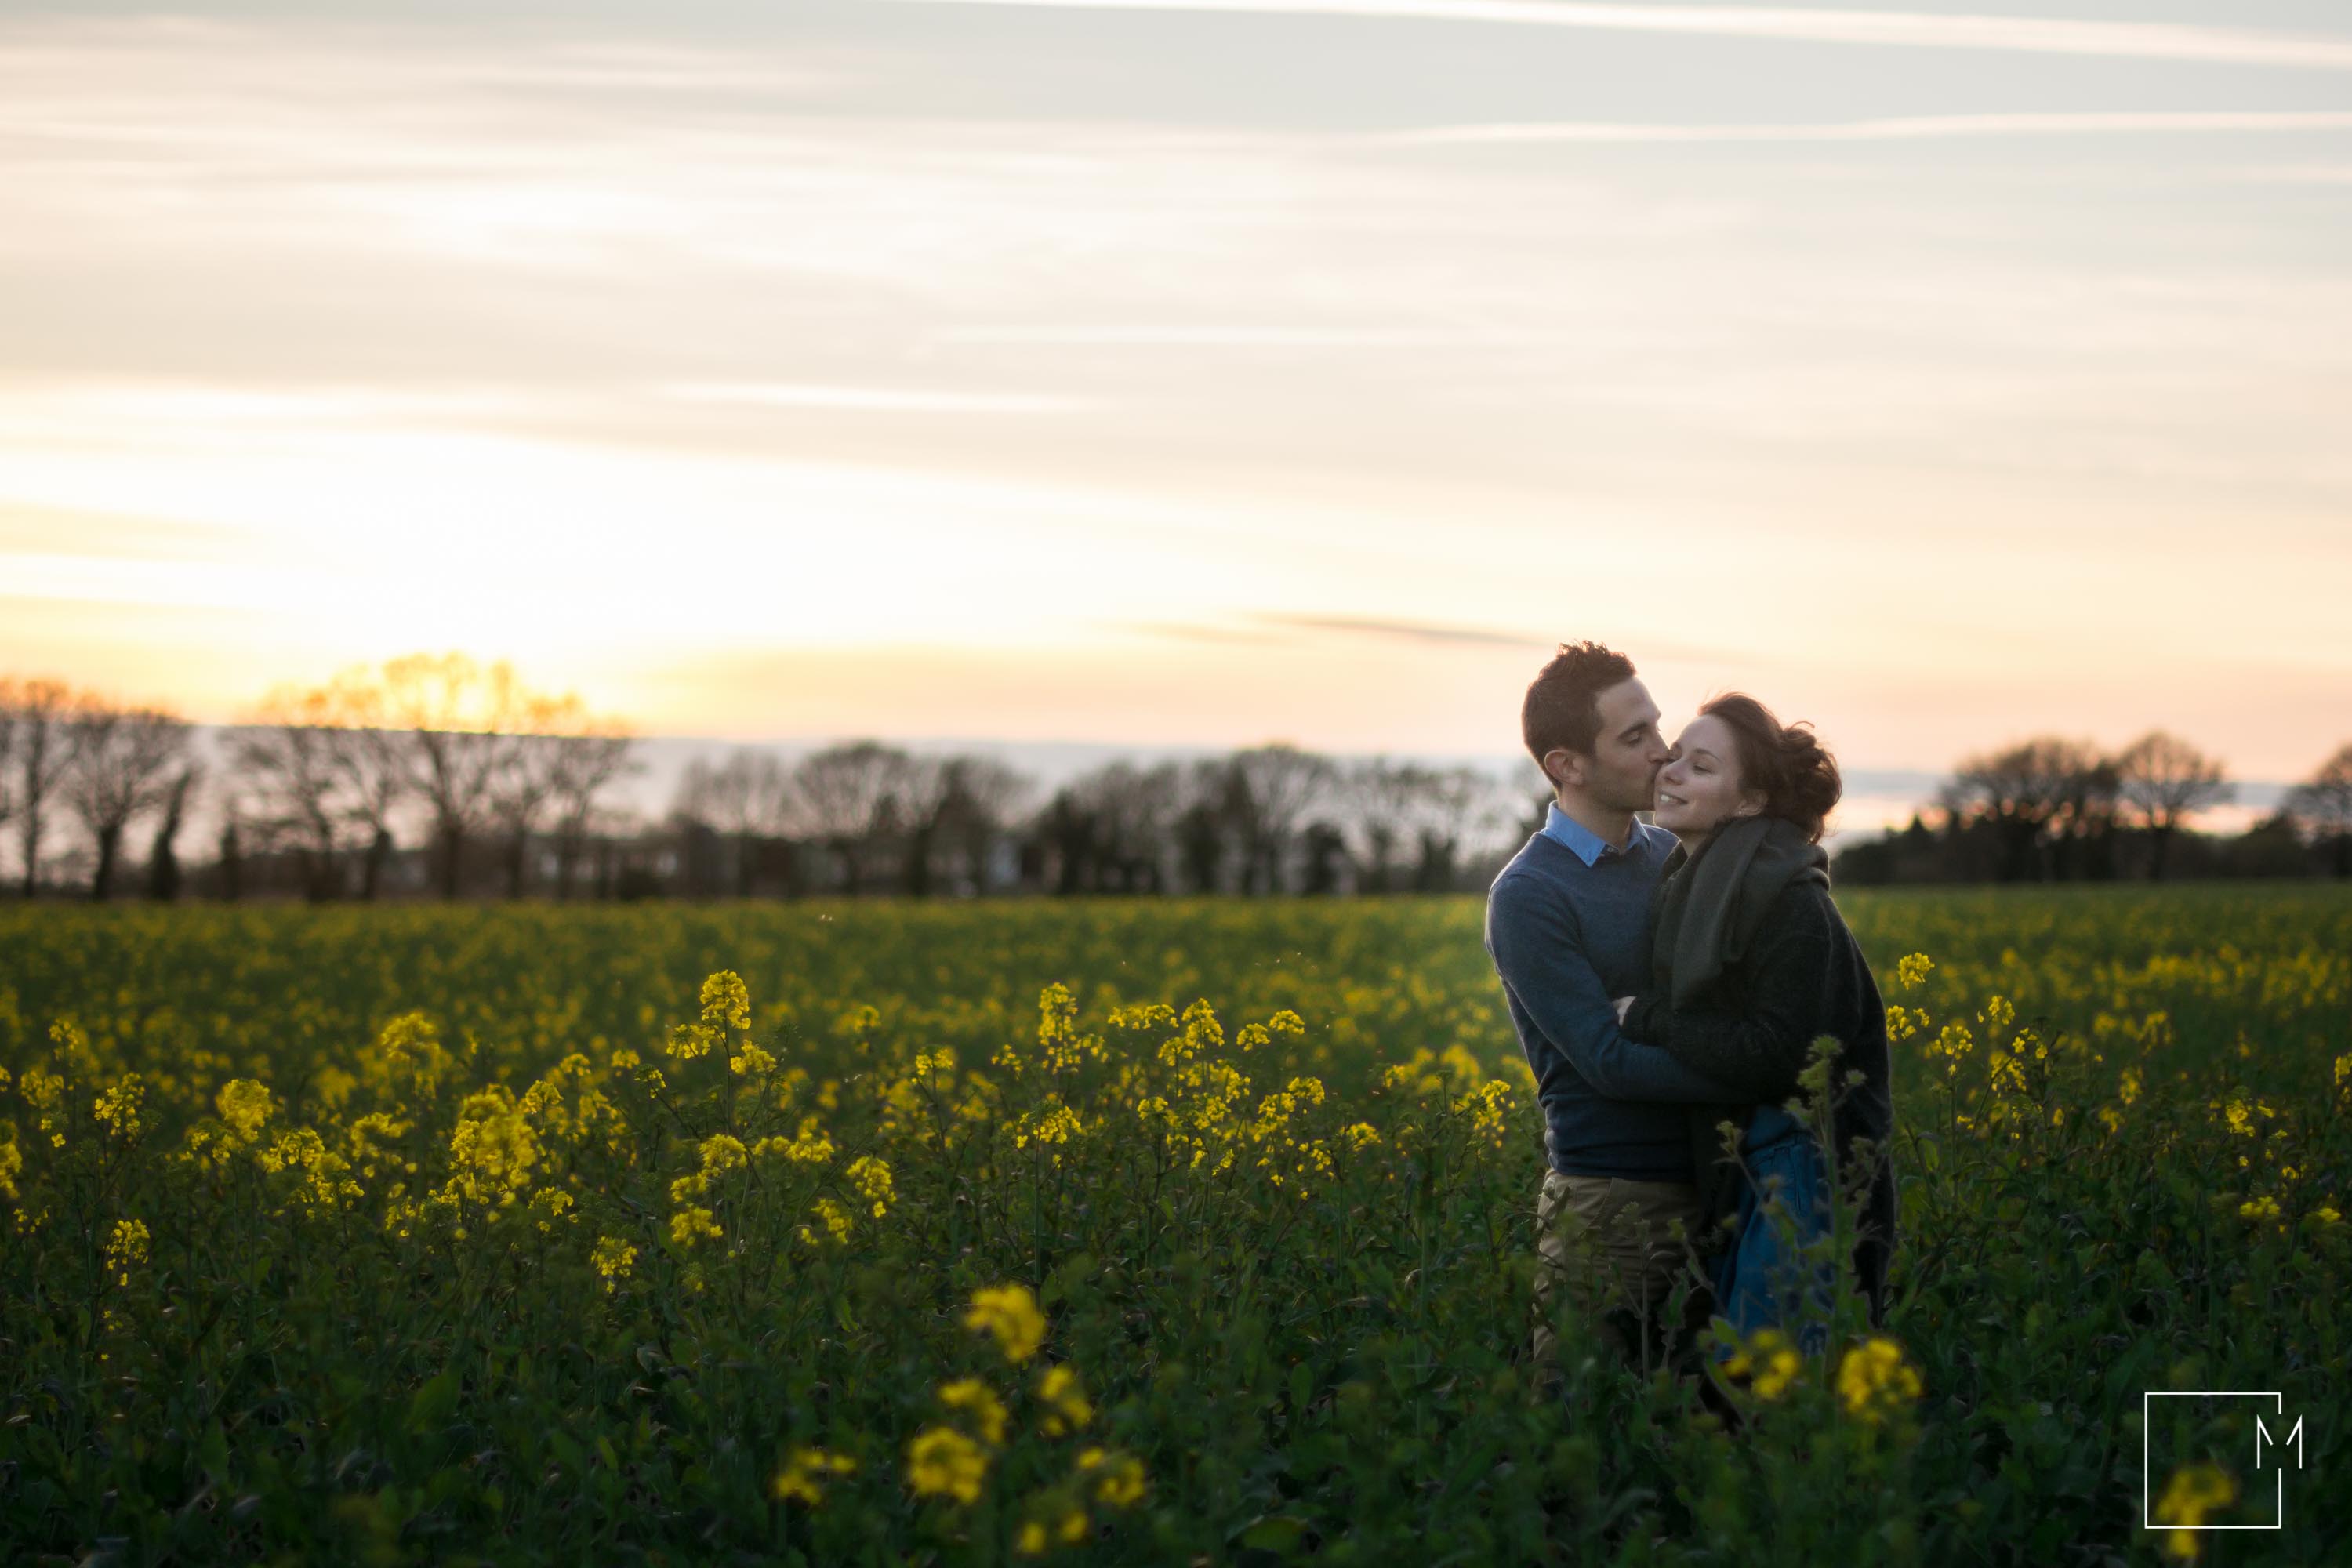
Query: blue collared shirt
[1590,847]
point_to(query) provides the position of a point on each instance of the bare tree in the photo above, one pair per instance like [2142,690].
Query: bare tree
[748,798]
[974,800]
[370,761]
[7,746]
[39,712]
[521,788]
[2028,791]
[1281,781]
[2322,805]
[2164,780]
[583,764]
[459,721]
[1214,824]
[1449,806]
[851,798]
[1110,830]
[122,760]
[1383,800]
[163,855]
[291,757]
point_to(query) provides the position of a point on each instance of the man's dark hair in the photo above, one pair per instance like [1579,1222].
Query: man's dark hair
[1563,702]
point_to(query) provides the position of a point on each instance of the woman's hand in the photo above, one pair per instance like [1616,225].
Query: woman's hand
[1624,1006]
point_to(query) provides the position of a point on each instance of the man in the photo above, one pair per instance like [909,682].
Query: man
[1567,927]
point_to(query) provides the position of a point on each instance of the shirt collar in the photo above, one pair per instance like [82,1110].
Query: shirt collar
[1582,842]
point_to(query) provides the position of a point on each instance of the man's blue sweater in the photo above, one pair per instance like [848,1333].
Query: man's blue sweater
[1567,928]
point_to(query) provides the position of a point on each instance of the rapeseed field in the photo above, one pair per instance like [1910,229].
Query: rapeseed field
[1110,1232]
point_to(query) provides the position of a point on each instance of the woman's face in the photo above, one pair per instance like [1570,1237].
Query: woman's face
[1699,789]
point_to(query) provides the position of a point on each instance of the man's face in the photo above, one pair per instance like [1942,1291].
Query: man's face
[1622,773]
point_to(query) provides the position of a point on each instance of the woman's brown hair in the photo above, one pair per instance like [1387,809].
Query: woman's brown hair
[1785,763]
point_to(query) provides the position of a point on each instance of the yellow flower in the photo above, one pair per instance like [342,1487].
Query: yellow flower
[550,1205]
[1873,1379]
[688,1226]
[722,1152]
[1067,1527]
[118,1109]
[244,1105]
[2263,1207]
[689,1042]
[1117,1478]
[1067,1409]
[1770,1363]
[943,1462]
[126,1248]
[12,1163]
[1010,1312]
[871,1177]
[809,1147]
[969,1394]
[2194,1492]
[833,1217]
[1910,971]
[803,1469]
[614,1258]
[726,1000]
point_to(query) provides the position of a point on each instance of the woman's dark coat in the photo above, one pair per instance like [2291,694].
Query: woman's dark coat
[1751,962]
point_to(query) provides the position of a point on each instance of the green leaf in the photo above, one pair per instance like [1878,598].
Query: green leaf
[430,1408]
[1274,1532]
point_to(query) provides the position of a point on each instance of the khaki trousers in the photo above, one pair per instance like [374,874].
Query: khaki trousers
[1616,1248]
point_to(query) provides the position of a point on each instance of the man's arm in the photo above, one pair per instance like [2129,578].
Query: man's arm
[1540,953]
[1759,1050]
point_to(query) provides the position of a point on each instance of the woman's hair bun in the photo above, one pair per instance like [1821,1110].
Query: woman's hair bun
[1785,763]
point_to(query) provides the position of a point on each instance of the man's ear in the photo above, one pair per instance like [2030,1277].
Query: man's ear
[1570,770]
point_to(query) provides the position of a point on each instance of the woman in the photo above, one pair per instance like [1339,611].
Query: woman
[1750,963]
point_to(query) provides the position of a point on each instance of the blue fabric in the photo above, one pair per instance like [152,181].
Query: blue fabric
[1769,1124]
[1589,846]
[1568,938]
[1762,1280]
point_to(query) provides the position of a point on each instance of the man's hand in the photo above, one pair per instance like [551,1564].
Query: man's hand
[1624,1006]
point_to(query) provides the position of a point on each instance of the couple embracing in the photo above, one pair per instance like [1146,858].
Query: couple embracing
[1666,977]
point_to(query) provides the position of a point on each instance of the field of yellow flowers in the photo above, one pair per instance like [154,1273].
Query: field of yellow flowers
[1120,1231]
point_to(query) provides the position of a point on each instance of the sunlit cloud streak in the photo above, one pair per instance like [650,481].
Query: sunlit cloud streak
[2034,35]
[1912,128]
[878,399]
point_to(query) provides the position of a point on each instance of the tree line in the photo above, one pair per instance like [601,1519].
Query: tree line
[2051,808]
[435,775]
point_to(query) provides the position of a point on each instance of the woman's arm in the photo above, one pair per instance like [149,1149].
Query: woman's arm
[1760,1048]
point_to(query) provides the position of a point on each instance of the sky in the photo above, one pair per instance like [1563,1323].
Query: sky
[1197,373]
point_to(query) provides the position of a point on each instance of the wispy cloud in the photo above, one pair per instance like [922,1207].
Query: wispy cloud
[1405,631]
[877,399]
[1230,335]
[1914,128]
[1199,632]
[1916,29]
